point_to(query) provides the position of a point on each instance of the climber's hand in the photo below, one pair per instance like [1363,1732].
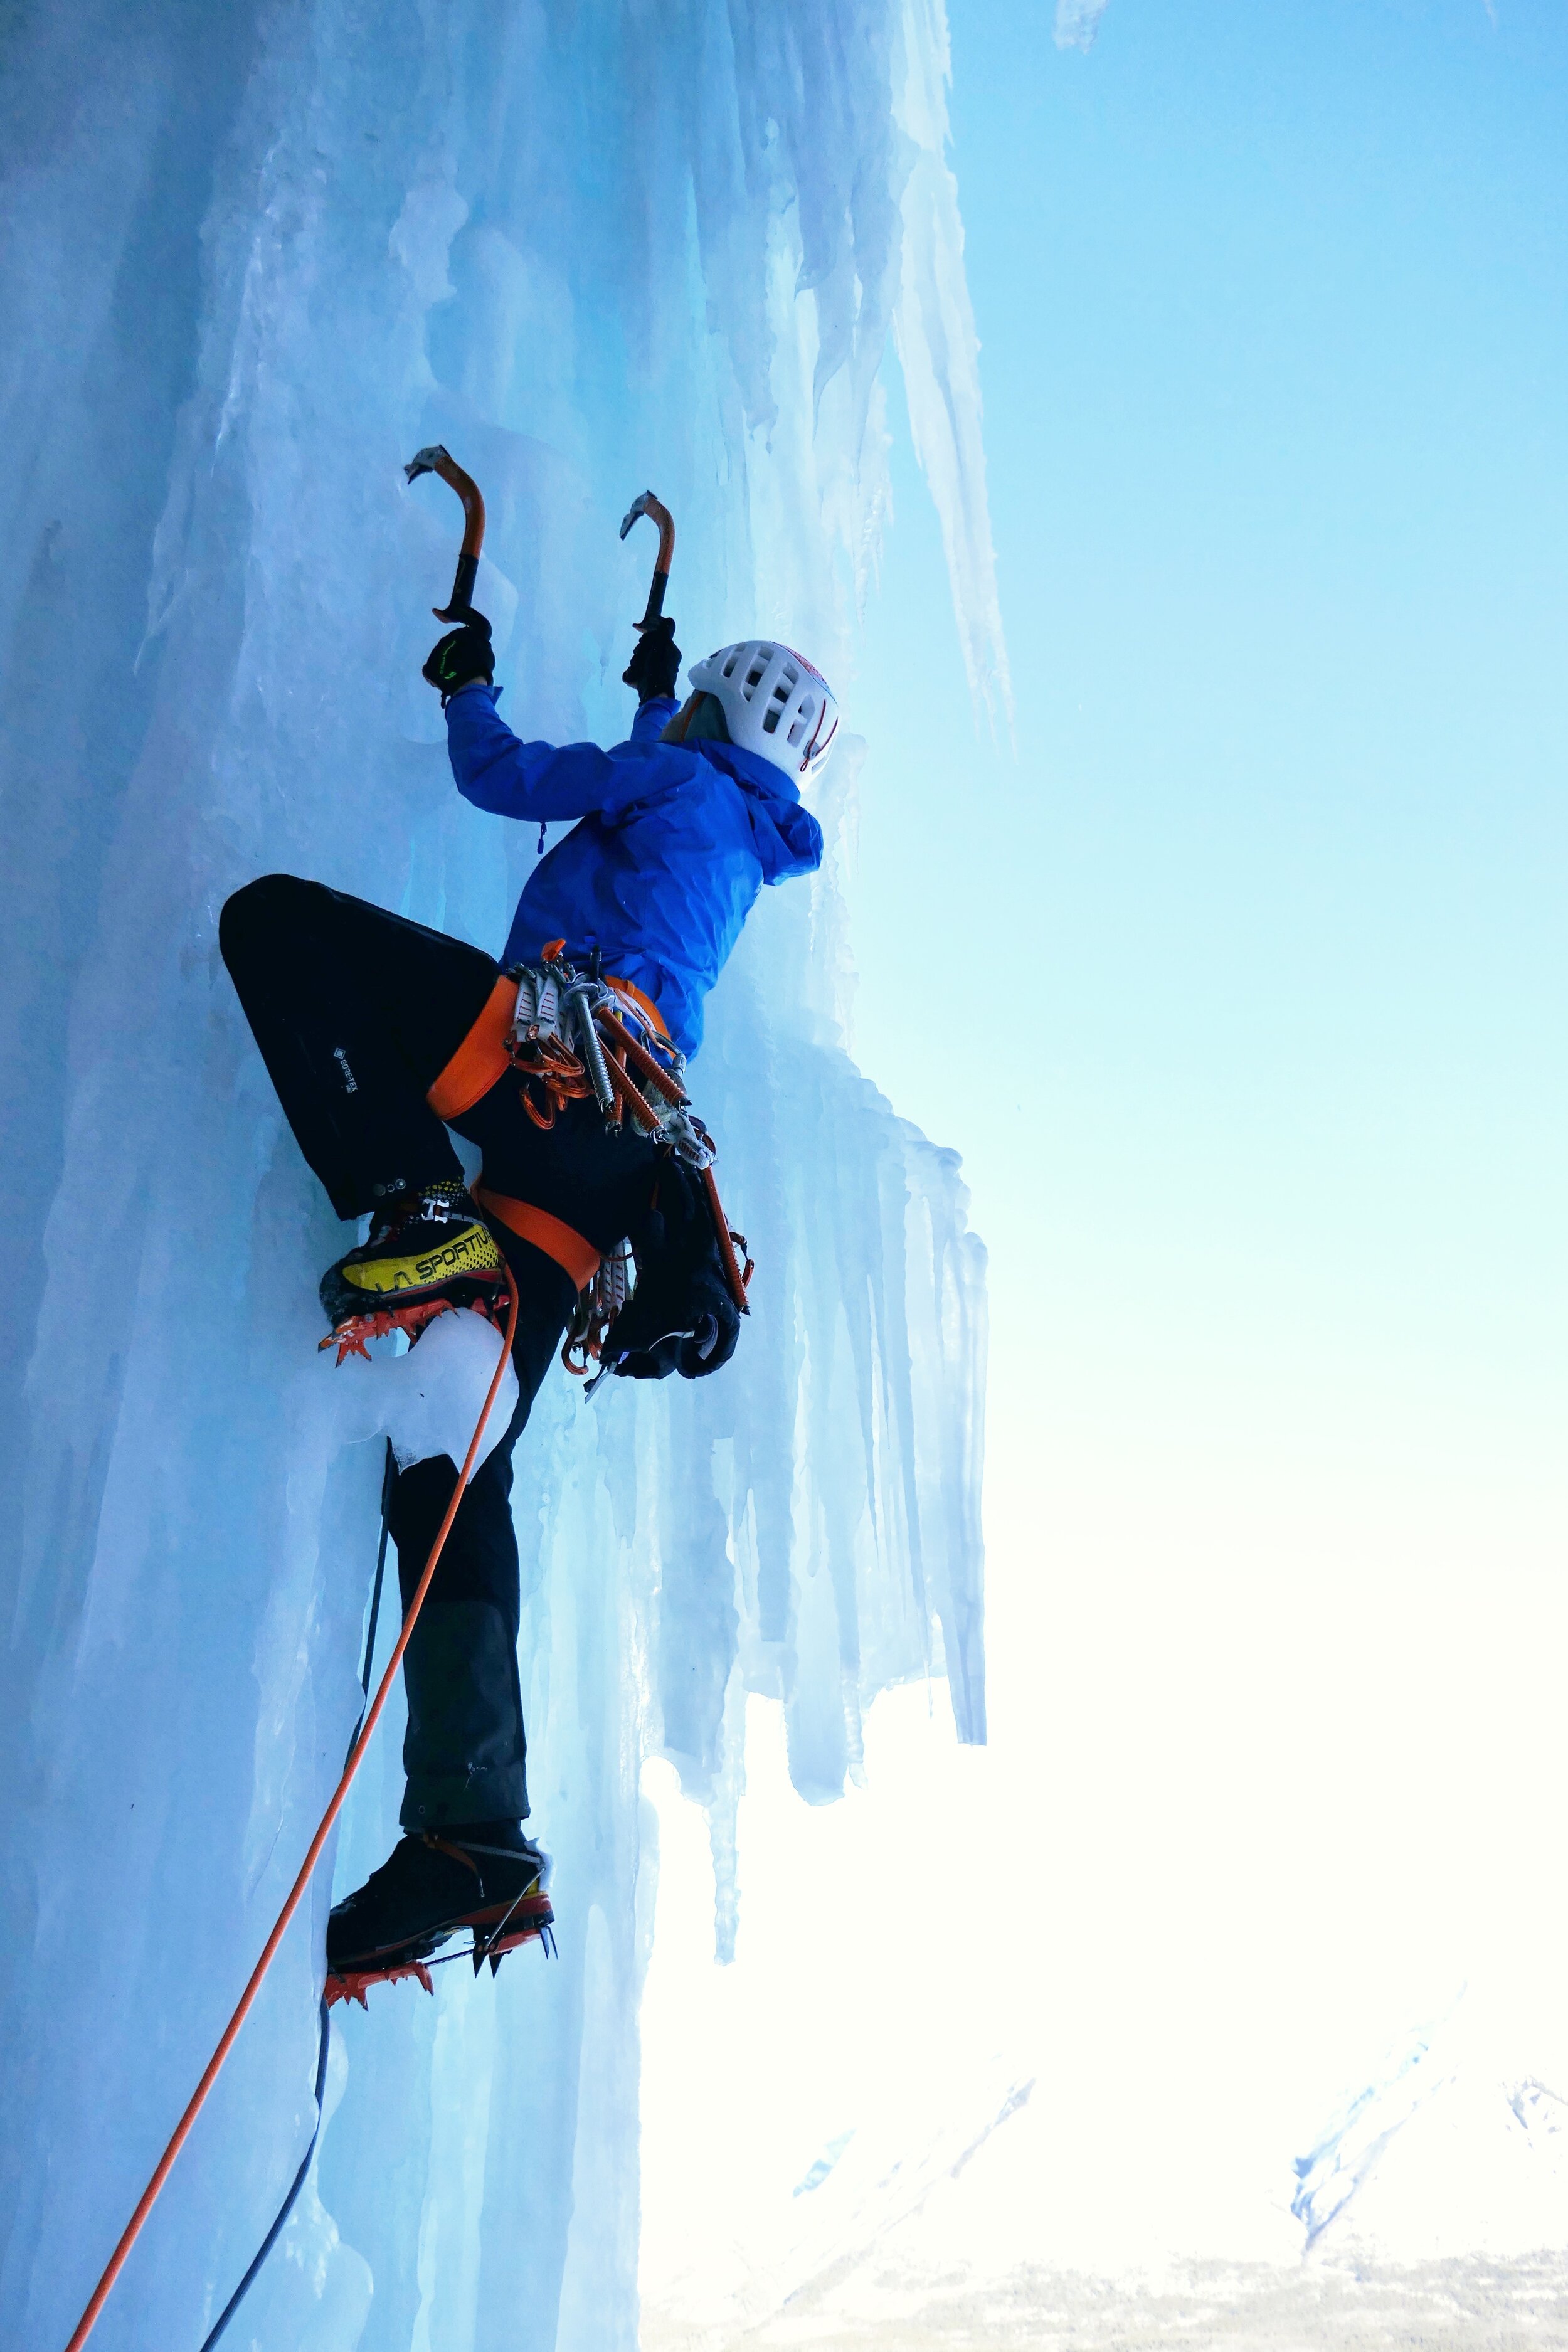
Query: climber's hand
[713,1342]
[680,1317]
[683,1323]
[461,656]
[655,666]
[694,1353]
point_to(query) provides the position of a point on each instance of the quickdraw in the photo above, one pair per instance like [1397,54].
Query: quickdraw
[597,1307]
[564,1022]
[577,1035]
[540,1039]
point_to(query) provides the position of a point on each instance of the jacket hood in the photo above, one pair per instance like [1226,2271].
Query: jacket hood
[788,838]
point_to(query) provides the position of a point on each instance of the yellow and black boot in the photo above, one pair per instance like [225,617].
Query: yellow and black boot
[428,1250]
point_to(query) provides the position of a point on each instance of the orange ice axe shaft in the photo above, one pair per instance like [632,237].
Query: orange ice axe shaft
[650,506]
[436,460]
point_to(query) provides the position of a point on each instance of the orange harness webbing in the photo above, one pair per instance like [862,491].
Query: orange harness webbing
[480,1060]
[575,1255]
[629,988]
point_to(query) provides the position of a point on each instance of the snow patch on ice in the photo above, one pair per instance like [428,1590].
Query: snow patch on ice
[428,1399]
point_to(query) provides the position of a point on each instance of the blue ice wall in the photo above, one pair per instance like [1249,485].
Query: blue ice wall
[252,256]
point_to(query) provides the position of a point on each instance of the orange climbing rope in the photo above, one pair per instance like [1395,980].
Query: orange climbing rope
[149,2197]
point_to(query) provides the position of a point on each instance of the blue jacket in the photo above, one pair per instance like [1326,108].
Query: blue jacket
[674,843]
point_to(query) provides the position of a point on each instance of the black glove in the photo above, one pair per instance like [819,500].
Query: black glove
[656,665]
[680,1317]
[461,656]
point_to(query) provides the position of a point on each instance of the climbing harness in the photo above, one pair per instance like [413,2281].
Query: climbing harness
[577,1036]
[362,1740]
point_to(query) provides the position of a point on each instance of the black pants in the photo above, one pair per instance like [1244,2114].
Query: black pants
[356,1012]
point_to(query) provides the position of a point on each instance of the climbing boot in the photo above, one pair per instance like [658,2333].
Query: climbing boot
[486,1877]
[427,1250]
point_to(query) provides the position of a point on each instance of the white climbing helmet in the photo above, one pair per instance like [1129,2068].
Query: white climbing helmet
[775,703]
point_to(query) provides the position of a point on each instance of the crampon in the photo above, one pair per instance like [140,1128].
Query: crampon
[527,1921]
[353,1335]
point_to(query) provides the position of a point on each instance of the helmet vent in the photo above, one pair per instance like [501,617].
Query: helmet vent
[803,719]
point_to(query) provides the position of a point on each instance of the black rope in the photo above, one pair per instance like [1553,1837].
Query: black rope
[324,2027]
[387,1476]
[270,2240]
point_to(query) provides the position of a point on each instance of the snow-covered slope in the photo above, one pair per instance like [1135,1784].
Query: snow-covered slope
[252,257]
[973,2208]
[938,2122]
[1458,2144]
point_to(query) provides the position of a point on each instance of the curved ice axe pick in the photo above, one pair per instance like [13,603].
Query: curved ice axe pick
[434,460]
[649,504]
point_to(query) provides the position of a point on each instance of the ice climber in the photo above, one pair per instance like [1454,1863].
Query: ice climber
[380,1034]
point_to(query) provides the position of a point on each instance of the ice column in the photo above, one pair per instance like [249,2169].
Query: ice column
[250,258]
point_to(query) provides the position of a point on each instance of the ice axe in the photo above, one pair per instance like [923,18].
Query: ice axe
[650,506]
[436,460]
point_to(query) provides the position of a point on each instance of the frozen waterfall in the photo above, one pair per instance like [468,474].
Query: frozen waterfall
[252,258]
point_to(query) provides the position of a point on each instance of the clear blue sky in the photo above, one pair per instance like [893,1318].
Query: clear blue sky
[1273,314]
[1275,353]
